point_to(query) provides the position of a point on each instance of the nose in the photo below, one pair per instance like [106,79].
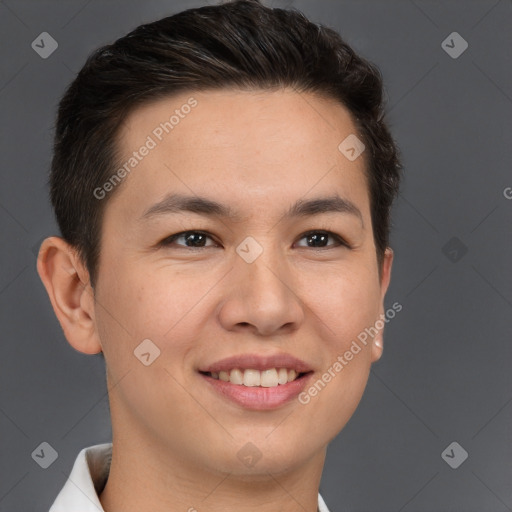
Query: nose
[263,296]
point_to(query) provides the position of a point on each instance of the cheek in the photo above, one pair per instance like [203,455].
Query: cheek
[133,306]
[141,307]
[141,302]
[347,305]
[346,302]
[161,305]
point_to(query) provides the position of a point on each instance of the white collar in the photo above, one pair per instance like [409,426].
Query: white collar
[88,478]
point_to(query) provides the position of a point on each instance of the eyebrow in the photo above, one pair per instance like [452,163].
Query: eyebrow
[178,203]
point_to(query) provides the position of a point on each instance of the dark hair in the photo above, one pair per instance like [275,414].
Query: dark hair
[240,44]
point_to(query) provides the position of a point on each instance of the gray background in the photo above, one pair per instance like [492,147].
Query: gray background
[445,374]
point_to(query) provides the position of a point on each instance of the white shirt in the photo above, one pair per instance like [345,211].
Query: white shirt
[88,478]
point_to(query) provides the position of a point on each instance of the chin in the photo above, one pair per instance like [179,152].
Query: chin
[259,455]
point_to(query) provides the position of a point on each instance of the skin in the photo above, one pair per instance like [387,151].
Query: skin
[176,441]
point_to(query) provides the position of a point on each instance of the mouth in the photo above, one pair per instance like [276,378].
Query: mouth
[250,377]
[257,382]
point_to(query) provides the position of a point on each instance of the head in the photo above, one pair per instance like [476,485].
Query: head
[244,110]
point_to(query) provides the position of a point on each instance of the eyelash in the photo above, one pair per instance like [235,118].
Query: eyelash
[341,242]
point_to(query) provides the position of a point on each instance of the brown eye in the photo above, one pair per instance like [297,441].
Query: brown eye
[192,239]
[319,239]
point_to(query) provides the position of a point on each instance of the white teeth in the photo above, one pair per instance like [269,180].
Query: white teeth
[269,378]
[292,374]
[236,377]
[251,378]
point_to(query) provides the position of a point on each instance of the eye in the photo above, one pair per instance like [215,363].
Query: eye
[319,239]
[196,239]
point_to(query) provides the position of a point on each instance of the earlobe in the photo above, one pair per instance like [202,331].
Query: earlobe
[377,347]
[67,285]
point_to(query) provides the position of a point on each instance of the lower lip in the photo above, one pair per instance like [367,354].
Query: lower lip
[256,397]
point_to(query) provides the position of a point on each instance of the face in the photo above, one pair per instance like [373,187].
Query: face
[262,279]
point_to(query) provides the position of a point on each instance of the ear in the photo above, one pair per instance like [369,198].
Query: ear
[67,282]
[378,340]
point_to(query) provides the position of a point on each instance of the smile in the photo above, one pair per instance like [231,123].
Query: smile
[257,390]
[269,378]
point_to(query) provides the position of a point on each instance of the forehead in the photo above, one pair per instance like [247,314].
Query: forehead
[247,146]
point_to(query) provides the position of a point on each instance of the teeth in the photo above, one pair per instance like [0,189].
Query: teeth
[236,377]
[292,374]
[269,378]
[251,378]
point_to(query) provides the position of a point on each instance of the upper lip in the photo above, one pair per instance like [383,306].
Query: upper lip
[258,362]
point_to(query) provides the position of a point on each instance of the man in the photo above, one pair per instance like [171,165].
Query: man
[222,179]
